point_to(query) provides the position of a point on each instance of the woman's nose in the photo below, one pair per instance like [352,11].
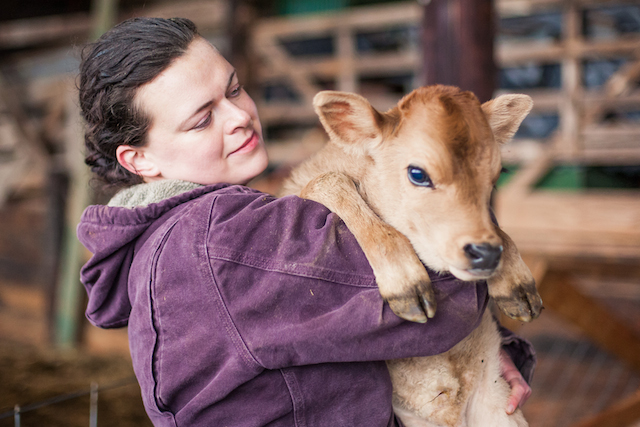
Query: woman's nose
[235,117]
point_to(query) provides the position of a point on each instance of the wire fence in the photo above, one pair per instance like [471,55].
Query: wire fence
[92,392]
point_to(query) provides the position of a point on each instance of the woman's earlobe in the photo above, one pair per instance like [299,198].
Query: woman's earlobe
[135,161]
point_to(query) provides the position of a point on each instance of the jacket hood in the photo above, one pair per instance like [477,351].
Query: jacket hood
[110,233]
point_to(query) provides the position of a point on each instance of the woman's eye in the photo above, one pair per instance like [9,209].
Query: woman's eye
[419,177]
[235,91]
[204,122]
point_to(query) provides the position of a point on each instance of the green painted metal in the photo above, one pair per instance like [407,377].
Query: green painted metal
[68,296]
[581,177]
[296,7]
[563,177]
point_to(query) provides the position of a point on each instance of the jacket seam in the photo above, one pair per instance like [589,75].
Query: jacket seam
[225,315]
[347,279]
[331,276]
[296,397]
[156,322]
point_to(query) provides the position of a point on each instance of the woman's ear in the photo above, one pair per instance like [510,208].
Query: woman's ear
[135,161]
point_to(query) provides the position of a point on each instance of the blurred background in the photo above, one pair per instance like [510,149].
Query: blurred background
[571,199]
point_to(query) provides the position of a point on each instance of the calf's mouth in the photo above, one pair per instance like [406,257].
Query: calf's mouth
[481,261]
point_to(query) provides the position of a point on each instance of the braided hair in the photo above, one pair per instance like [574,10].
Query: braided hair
[112,69]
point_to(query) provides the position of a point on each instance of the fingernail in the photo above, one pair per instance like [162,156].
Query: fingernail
[510,409]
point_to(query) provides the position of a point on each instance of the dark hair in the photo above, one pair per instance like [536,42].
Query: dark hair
[112,69]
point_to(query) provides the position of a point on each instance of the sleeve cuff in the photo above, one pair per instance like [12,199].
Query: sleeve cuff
[521,352]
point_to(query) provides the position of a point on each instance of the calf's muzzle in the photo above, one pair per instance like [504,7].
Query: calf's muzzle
[483,256]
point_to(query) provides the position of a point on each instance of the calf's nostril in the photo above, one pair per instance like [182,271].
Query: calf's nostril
[483,256]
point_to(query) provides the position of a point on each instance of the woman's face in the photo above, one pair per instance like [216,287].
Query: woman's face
[204,127]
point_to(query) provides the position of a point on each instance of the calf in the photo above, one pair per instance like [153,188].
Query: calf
[413,184]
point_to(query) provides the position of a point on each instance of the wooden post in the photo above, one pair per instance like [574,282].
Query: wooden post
[569,142]
[243,16]
[68,296]
[69,287]
[104,16]
[457,38]
[347,80]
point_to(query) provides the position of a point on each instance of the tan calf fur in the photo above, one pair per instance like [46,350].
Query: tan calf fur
[413,184]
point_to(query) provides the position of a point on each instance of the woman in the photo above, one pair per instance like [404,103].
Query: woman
[242,309]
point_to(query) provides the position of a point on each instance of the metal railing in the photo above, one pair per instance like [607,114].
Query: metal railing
[92,392]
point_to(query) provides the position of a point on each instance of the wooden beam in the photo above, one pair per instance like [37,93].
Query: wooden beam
[611,136]
[322,24]
[286,112]
[523,151]
[277,58]
[622,414]
[23,33]
[608,156]
[208,15]
[612,268]
[344,68]
[507,8]
[548,100]
[282,112]
[581,223]
[560,295]
[556,243]
[510,54]
[328,68]
[592,224]
[624,80]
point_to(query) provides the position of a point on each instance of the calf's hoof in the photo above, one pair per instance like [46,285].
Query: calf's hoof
[417,306]
[524,304]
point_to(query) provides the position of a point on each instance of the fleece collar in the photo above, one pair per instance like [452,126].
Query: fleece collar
[152,192]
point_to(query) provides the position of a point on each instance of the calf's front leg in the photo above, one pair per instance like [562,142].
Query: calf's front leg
[401,277]
[512,286]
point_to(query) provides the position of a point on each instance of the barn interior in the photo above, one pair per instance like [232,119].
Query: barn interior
[570,201]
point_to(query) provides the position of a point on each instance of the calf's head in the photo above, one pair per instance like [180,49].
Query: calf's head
[432,163]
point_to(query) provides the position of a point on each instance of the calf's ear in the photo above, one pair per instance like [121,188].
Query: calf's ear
[348,118]
[505,114]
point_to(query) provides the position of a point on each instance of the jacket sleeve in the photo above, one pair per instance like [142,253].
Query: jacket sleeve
[298,289]
[521,352]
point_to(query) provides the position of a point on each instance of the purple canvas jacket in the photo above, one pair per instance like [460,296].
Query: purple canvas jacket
[247,310]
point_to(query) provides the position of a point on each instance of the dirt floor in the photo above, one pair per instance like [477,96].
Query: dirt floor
[30,370]
[31,375]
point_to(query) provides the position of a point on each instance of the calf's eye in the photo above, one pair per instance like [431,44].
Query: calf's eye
[418,176]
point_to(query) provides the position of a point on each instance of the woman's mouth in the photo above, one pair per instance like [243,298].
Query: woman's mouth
[248,145]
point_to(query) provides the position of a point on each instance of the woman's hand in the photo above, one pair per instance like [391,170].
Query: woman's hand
[520,390]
